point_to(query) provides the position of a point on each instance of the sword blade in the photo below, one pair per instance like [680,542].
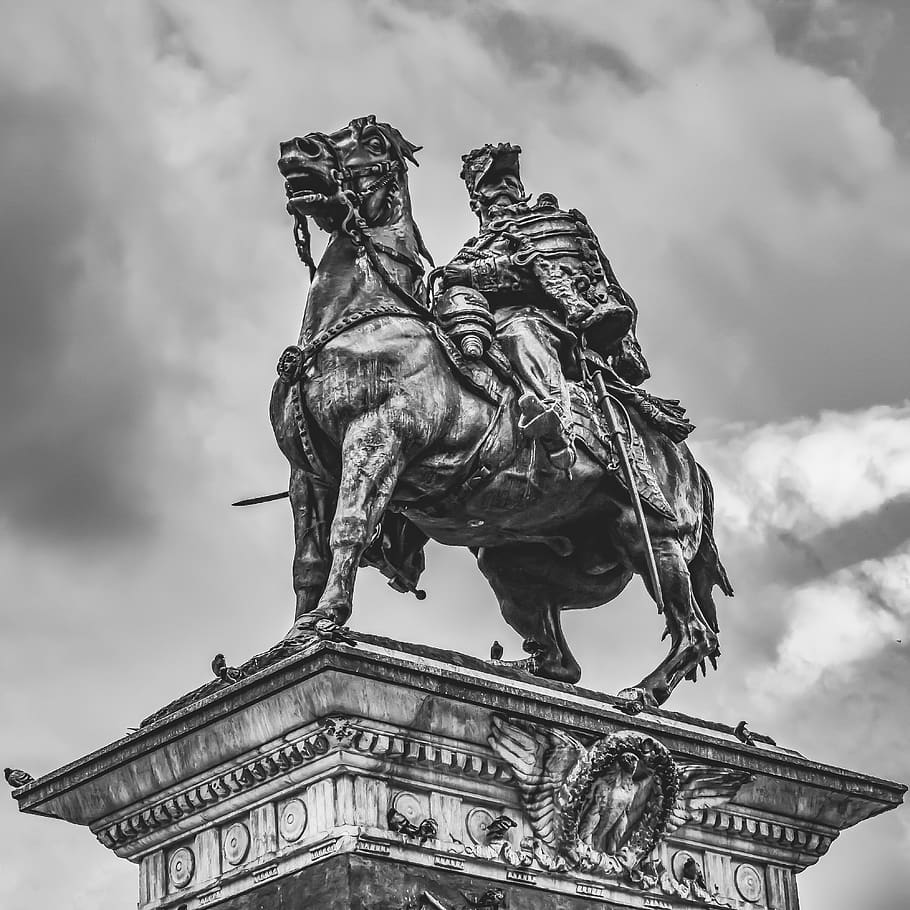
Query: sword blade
[258,499]
[606,407]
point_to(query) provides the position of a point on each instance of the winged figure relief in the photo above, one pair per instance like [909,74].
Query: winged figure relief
[605,806]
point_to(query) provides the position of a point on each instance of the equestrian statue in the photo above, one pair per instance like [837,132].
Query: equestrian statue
[493,403]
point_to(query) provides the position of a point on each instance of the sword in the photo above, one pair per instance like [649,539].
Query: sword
[272,497]
[605,404]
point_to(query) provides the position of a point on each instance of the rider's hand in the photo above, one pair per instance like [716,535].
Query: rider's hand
[456,273]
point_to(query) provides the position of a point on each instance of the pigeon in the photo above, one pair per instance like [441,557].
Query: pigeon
[496,651]
[691,872]
[225,673]
[400,824]
[16,778]
[427,830]
[498,826]
[744,734]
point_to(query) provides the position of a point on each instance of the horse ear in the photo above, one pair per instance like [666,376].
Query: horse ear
[403,148]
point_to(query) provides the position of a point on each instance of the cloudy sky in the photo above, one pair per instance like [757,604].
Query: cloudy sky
[746,167]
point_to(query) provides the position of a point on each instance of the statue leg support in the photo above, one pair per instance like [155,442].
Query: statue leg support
[312,506]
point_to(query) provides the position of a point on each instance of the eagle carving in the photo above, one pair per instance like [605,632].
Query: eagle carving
[605,806]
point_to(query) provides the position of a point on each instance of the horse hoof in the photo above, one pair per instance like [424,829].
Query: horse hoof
[318,627]
[526,665]
[636,700]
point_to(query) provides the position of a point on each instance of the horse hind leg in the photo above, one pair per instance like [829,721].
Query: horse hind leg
[528,606]
[692,639]
[534,586]
[706,569]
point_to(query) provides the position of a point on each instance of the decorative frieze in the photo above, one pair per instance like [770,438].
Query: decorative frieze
[334,733]
[596,779]
[225,785]
[766,832]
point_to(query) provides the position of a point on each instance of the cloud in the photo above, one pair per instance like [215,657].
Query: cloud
[807,476]
[71,374]
[862,40]
[809,518]
[836,622]
[751,199]
[843,36]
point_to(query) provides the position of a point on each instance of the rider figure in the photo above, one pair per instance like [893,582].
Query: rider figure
[541,273]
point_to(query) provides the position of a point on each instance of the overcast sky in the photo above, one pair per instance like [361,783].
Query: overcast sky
[745,165]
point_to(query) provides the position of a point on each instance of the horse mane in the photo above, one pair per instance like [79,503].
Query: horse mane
[404,151]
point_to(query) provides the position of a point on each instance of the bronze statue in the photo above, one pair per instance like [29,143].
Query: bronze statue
[403,424]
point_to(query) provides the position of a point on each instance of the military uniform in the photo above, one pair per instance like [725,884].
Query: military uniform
[540,273]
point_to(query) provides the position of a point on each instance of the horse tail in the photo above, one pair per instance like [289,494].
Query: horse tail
[706,569]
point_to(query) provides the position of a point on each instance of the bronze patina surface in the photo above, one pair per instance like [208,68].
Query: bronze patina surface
[470,415]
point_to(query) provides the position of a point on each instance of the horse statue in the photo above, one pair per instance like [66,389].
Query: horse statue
[394,437]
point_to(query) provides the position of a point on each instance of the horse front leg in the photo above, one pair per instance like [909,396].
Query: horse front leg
[371,465]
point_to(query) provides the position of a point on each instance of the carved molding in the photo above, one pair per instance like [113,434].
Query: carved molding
[766,832]
[334,733]
[193,800]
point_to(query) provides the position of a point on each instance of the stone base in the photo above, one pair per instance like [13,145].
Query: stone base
[349,777]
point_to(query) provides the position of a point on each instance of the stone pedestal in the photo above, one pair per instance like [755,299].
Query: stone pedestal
[367,777]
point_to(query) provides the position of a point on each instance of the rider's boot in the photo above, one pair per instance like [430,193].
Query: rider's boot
[546,422]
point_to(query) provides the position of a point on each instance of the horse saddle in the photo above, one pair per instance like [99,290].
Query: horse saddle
[493,379]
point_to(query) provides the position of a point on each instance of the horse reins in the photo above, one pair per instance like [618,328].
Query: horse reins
[294,358]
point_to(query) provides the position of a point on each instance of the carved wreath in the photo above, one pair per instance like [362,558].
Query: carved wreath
[606,806]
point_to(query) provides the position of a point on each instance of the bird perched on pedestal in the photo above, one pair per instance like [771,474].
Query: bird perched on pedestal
[225,673]
[692,872]
[496,651]
[400,824]
[745,735]
[497,828]
[427,830]
[16,778]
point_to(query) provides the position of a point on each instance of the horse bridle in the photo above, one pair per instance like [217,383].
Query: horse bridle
[353,224]
[294,358]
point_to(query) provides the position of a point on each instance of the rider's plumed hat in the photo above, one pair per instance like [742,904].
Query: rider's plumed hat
[480,163]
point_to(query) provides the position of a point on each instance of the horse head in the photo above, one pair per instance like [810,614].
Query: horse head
[349,180]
